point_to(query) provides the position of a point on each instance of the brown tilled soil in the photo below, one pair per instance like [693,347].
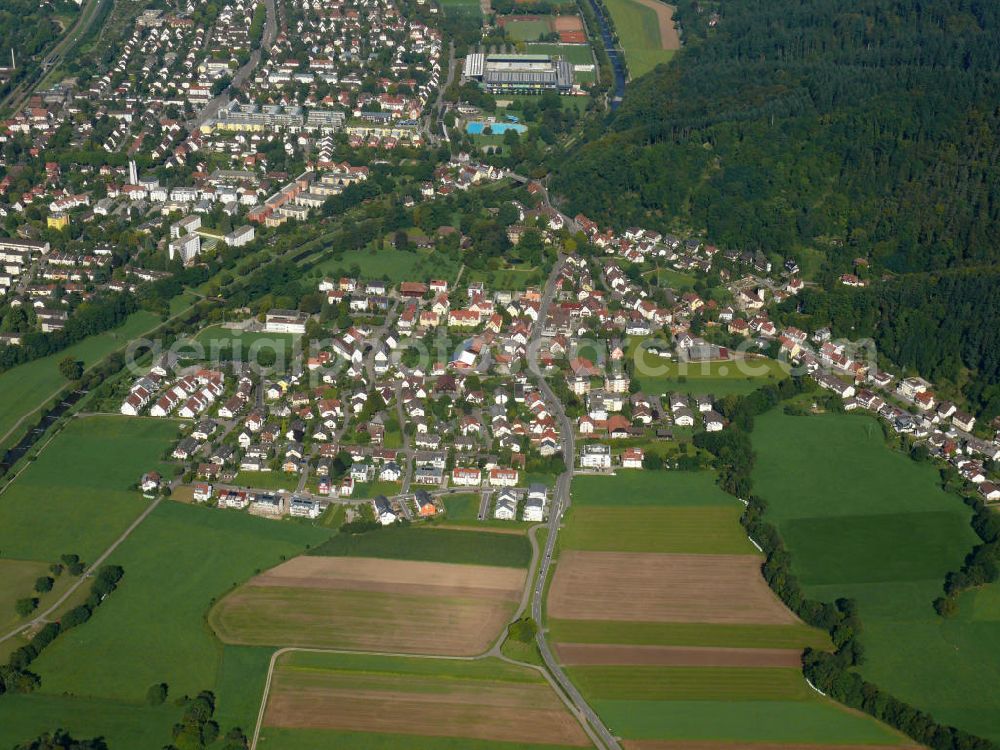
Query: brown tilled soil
[719,745]
[352,572]
[663,588]
[567,23]
[478,709]
[577,654]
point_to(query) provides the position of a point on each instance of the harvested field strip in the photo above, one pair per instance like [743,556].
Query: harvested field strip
[492,670]
[791,636]
[339,572]
[690,683]
[670,588]
[361,620]
[432,545]
[455,705]
[712,745]
[696,529]
[741,722]
[576,654]
[273,738]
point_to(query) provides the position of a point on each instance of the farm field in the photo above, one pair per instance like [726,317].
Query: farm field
[886,536]
[28,387]
[485,704]
[633,488]
[179,560]
[368,604]
[433,545]
[646,31]
[718,378]
[77,497]
[651,529]
[657,609]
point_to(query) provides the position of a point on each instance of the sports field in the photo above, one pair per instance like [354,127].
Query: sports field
[370,604]
[27,387]
[77,497]
[868,523]
[527,29]
[152,629]
[246,345]
[646,31]
[484,704]
[660,614]
[657,375]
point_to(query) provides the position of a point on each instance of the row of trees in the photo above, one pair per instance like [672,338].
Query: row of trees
[832,673]
[14,675]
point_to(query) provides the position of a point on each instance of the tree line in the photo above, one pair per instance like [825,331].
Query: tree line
[832,673]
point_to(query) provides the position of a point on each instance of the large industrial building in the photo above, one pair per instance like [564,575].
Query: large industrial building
[519,74]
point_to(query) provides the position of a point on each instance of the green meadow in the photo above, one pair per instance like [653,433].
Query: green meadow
[78,495]
[639,32]
[433,545]
[866,522]
[28,387]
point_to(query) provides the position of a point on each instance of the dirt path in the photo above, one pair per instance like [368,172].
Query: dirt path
[669,38]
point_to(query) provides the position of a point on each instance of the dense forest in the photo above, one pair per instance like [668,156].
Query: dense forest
[940,325]
[867,128]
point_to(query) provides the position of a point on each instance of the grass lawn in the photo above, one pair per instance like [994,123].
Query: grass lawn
[693,530]
[462,507]
[529,31]
[176,563]
[687,634]
[639,32]
[657,375]
[868,523]
[30,386]
[815,720]
[674,279]
[267,480]
[658,488]
[76,496]
[464,7]
[369,490]
[397,265]
[216,339]
[433,545]
[577,54]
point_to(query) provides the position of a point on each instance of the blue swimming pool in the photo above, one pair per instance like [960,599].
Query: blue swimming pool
[498,128]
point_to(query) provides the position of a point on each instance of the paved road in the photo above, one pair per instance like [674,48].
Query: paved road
[560,502]
[243,74]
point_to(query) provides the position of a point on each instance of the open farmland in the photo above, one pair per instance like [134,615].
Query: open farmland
[433,545]
[660,615]
[652,529]
[870,524]
[78,495]
[673,588]
[372,604]
[481,703]
[646,31]
[180,559]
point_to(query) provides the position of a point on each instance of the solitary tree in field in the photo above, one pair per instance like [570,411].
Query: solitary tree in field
[71,369]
